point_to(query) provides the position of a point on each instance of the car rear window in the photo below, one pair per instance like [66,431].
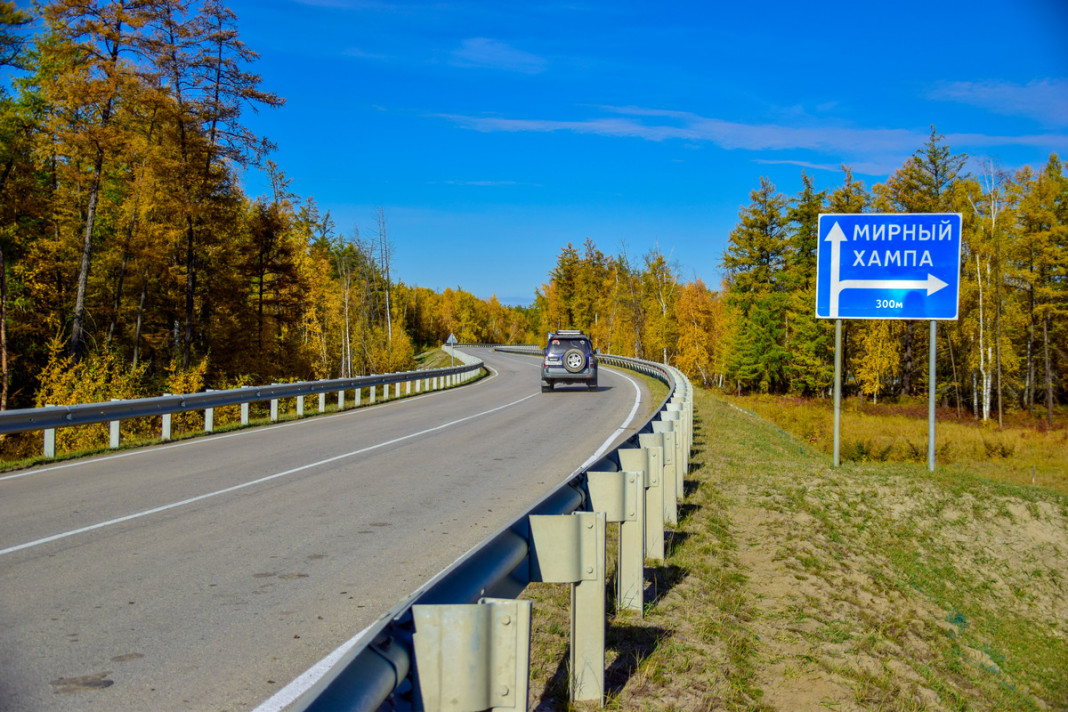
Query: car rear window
[559,346]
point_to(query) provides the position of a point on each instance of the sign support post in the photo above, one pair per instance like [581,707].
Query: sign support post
[931,394]
[888,266]
[837,392]
[452,349]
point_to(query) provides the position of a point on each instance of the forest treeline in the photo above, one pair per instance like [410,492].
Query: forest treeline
[132,261]
[758,333]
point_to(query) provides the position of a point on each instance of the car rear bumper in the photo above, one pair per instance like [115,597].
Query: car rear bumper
[562,374]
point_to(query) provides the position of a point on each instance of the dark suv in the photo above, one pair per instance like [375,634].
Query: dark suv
[569,357]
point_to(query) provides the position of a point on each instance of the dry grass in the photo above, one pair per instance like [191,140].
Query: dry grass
[794,586]
[1024,452]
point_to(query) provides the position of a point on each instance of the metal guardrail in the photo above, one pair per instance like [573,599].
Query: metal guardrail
[63,416]
[381,671]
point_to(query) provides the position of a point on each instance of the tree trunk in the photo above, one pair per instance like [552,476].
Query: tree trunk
[1029,391]
[1049,371]
[190,293]
[140,316]
[3,329]
[906,371]
[984,381]
[953,365]
[77,334]
[997,334]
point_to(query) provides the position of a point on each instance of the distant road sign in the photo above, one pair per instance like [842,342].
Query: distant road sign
[452,340]
[888,266]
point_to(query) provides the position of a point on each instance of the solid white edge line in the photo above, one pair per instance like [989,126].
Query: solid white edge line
[306,680]
[261,480]
[622,429]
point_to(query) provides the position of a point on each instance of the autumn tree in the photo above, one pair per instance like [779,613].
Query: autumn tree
[87,67]
[923,185]
[1041,259]
[755,260]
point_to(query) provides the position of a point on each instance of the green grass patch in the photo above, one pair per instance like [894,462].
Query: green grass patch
[876,586]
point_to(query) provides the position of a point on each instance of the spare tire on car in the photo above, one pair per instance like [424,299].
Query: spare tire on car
[574,360]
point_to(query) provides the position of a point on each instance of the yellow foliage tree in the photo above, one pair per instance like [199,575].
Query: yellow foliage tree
[877,357]
[97,378]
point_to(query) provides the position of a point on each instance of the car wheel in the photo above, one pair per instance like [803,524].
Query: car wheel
[574,360]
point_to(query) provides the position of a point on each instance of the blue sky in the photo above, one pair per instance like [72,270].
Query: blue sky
[494,133]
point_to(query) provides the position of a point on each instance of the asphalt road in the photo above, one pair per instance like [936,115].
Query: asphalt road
[207,574]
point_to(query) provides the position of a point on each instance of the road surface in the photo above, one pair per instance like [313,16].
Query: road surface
[207,574]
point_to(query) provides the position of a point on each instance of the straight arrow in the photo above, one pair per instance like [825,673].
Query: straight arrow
[836,237]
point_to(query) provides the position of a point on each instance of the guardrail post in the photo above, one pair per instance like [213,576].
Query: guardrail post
[569,548]
[209,416]
[113,431]
[356,398]
[274,408]
[165,434]
[244,413]
[341,400]
[407,388]
[300,406]
[685,430]
[678,426]
[418,385]
[671,474]
[322,402]
[372,393]
[50,438]
[652,447]
[621,496]
[473,656]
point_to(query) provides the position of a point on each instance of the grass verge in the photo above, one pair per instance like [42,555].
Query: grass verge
[794,586]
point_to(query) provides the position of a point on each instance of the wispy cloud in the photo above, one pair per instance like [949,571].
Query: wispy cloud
[357,53]
[663,125]
[1044,100]
[484,183]
[873,151]
[485,53]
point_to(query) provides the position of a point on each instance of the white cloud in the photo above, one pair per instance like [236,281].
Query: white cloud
[1044,100]
[692,127]
[871,151]
[485,53]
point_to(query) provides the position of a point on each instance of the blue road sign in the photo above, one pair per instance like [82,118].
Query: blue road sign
[888,266]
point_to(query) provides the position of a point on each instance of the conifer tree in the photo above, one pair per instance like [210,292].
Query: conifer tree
[809,342]
[755,259]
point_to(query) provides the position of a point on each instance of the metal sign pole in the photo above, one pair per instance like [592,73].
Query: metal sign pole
[931,374]
[837,391]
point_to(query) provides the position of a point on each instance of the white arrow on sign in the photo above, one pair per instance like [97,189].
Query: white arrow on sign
[836,237]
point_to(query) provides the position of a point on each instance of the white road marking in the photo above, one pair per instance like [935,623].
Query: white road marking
[251,483]
[306,680]
[622,428]
[310,677]
[253,430]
